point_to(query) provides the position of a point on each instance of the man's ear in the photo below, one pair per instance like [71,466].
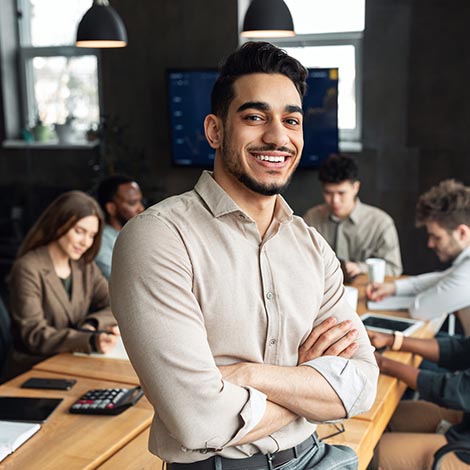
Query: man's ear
[463,232]
[110,208]
[213,130]
[356,187]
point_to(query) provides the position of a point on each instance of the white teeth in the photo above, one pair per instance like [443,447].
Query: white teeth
[268,158]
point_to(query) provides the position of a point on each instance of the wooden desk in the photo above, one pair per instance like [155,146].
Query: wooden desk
[70,441]
[116,370]
[389,390]
[134,456]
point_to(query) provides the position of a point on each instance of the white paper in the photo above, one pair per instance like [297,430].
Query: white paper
[118,352]
[393,302]
[13,434]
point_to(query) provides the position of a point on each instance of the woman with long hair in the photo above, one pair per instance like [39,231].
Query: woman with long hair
[59,299]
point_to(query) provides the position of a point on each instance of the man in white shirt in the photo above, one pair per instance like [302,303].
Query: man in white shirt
[120,199]
[445,212]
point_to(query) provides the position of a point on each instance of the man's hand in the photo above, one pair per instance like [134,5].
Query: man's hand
[379,291]
[329,339]
[380,340]
[352,268]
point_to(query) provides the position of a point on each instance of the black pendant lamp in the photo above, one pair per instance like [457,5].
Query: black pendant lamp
[101,27]
[268,19]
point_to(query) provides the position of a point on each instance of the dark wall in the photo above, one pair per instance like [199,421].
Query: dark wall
[415,118]
[164,34]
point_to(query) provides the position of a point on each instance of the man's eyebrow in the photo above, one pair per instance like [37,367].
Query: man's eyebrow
[262,106]
[294,109]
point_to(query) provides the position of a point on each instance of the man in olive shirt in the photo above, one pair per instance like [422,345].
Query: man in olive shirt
[217,290]
[355,231]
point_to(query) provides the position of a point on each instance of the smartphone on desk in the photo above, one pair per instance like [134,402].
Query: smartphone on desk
[49,384]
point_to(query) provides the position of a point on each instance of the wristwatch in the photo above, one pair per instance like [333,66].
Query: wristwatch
[397,340]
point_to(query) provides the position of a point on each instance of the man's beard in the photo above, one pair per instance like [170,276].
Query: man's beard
[233,165]
[121,219]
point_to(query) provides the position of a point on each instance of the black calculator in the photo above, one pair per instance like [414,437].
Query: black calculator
[106,401]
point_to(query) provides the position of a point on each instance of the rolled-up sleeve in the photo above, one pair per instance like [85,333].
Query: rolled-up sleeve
[164,333]
[354,380]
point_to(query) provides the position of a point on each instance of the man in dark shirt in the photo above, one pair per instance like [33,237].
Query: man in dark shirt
[420,428]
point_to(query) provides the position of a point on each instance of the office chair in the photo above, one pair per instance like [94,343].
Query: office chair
[461,446]
[5,333]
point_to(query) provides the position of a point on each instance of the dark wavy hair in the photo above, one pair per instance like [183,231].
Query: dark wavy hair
[338,168]
[447,203]
[254,57]
[59,217]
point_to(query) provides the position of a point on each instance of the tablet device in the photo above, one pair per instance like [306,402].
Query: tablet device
[31,410]
[389,324]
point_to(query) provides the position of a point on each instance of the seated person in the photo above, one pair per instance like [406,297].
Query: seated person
[445,212]
[420,428]
[120,199]
[59,298]
[355,231]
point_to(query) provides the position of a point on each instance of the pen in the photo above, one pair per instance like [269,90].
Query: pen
[85,330]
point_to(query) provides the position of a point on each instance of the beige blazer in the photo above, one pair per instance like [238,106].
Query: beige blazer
[45,320]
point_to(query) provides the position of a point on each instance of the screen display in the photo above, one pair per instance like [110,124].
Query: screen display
[34,410]
[189,103]
[386,323]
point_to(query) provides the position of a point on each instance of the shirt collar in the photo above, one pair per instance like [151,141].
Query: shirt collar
[220,203]
[462,255]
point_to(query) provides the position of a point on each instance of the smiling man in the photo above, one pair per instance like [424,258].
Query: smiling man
[445,212]
[232,310]
[356,231]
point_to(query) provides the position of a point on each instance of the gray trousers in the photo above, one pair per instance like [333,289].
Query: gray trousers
[323,457]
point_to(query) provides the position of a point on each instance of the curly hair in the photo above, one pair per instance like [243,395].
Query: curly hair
[254,57]
[338,168]
[447,204]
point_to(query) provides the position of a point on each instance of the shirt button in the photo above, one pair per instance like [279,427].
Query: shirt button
[272,342]
[269,295]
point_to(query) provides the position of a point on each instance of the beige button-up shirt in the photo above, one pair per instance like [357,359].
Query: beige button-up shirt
[368,232]
[193,286]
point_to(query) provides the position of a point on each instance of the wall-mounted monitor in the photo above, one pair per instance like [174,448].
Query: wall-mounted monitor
[189,103]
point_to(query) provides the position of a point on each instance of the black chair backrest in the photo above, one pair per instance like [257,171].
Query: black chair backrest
[5,333]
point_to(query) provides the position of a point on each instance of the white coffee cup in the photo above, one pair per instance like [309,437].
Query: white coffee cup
[351,294]
[376,269]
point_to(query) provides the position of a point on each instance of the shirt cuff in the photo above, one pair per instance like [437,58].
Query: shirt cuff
[429,385]
[344,378]
[404,287]
[251,414]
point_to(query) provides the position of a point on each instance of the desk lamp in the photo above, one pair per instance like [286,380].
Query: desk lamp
[268,19]
[101,27]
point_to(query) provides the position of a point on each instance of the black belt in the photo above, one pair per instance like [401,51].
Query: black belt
[257,461]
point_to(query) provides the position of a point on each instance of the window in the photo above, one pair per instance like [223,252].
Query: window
[329,34]
[59,82]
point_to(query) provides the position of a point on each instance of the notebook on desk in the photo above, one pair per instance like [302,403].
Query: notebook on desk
[13,435]
[118,352]
[393,302]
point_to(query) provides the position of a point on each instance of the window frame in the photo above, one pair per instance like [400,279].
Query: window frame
[347,136]
[26,54]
